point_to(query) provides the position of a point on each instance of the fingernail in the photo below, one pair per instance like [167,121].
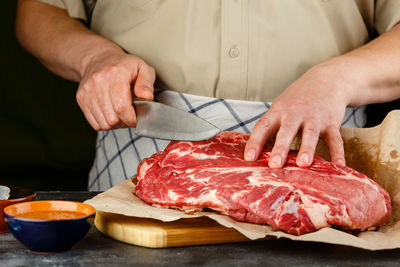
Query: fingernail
[145,92]
[341,162]
[149,89]
[250,155]
[276,160]
[304,158]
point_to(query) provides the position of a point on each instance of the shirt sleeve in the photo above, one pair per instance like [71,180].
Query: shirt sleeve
[75,8]
[387,14]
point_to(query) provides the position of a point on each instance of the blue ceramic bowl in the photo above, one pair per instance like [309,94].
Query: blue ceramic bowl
[50,235]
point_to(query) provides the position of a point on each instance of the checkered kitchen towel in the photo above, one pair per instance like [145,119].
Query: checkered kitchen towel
[118,152]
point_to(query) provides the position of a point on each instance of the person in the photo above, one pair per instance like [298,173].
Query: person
[225,61]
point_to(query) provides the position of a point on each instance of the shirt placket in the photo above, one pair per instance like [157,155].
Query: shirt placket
[234,50]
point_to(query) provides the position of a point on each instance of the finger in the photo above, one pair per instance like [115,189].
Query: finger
[83,104]
[334,141]
[120,125]
[264,128]
[104,100]
[99,116]
[144,84]
[90,118]
[121,100]
[284,139]
[88,114]
[309,140]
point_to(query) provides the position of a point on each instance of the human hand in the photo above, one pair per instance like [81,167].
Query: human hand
[105,90]
[314,105]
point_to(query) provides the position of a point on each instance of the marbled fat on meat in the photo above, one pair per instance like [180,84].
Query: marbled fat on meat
[212,174]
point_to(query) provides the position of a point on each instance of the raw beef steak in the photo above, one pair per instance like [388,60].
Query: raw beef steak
[213,174]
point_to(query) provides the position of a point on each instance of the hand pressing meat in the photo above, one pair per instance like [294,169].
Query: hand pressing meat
[212,174]
[315,104]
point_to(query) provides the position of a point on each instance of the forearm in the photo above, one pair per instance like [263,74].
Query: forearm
[369,74]
[64,45]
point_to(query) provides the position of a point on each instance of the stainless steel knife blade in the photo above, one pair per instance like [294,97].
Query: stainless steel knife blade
[161,121]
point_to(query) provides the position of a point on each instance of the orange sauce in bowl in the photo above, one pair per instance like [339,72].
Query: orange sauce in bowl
[52,215]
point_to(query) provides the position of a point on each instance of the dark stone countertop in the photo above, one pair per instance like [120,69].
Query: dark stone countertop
[97,249]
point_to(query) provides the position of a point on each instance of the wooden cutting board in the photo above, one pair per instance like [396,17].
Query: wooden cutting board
[157,234]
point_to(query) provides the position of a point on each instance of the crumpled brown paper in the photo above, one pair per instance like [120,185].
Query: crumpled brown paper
[373,151]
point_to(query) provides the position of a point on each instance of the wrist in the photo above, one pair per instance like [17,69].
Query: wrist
[346,77]
[94,52]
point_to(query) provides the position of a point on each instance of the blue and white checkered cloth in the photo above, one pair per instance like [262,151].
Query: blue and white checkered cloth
[118,152]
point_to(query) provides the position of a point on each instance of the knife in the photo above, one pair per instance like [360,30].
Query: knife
[161,121]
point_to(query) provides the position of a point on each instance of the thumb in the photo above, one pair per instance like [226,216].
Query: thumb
[145,79]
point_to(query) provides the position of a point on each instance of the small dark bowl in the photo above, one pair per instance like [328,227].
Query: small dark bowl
[49,236]
[17,194]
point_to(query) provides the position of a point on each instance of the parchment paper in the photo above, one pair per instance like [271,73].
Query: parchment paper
[373,151]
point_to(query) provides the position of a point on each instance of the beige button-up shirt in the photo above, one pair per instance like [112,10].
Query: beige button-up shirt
[236,49]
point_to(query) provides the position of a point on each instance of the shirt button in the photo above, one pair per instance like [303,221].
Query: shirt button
[234,52]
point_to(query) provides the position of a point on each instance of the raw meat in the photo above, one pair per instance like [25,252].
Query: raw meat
[212,174]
